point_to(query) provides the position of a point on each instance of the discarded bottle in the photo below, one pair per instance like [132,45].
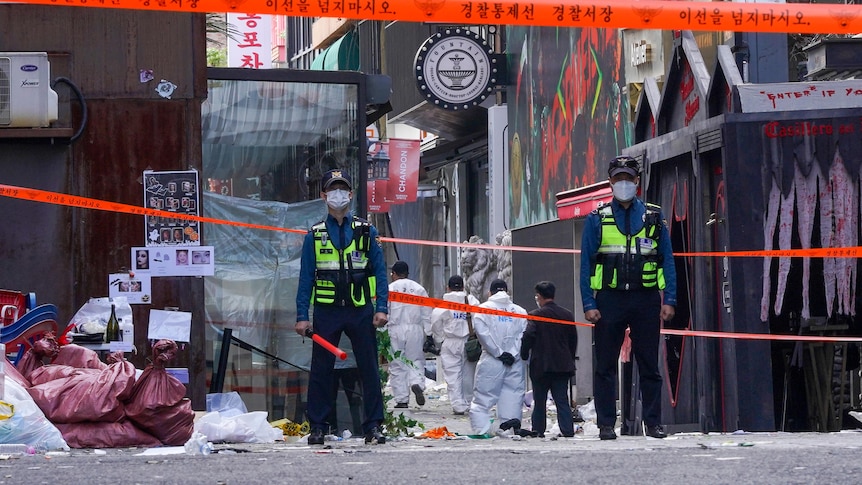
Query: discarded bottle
[198,445]
[16,449]
[112,333]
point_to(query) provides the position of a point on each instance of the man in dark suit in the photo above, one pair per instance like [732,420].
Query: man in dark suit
[550,348]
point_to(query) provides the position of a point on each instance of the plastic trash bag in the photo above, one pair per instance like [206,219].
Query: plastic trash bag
[77,356]
[46,347]
[157,403]
[13,373]
[588,411]
[107,435]
[28,425]
[52,372]
[198,445]
[251,427]
[93,316]
[87,394]
[226,403]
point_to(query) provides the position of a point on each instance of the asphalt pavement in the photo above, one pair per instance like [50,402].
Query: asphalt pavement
[734,458]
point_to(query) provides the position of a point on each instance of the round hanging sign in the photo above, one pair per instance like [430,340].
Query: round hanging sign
[455,69]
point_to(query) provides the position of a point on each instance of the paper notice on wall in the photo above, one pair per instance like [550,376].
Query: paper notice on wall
[136,287]
[174,261]
[165,324]
[175,193]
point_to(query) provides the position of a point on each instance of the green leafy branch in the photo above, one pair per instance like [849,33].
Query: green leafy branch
[395,424]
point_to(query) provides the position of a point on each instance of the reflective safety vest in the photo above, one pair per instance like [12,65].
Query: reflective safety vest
[342,276]
[628,262]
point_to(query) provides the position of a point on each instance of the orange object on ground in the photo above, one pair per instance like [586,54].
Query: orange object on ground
[437,433]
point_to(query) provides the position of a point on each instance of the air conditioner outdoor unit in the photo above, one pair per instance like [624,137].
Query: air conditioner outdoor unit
[26,97]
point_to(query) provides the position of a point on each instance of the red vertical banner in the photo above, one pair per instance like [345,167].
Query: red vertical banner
[377,196]
[403,170]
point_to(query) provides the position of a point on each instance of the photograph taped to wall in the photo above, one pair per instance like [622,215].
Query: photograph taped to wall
[174,261]
[136,289]
[176,192]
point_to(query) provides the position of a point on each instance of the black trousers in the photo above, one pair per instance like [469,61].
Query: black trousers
[330,322]
[639,311]
[558,385]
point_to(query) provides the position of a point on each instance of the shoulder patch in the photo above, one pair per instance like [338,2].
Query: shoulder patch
[318,225]
[604,210]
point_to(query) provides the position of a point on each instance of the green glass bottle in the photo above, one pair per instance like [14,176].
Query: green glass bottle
[112,332]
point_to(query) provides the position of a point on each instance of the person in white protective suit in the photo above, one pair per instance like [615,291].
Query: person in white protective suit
[408,326]
[500,374]
[450,327]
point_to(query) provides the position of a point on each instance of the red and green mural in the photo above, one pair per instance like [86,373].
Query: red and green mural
[568,114]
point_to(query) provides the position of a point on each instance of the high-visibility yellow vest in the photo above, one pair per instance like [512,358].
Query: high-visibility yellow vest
[342,276]
[628,262]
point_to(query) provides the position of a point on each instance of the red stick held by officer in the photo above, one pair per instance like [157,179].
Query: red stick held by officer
[326,345]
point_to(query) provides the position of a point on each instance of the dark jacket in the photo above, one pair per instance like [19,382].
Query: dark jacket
[550,347]
[629,221]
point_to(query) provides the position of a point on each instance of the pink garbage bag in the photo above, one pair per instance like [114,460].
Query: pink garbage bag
[106,435]
[87,395]
[45,348]
[77,356]
[158,403]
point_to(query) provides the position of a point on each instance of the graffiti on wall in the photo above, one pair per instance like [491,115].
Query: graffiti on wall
[568,114]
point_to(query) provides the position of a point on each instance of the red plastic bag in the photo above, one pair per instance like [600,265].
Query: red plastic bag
[77,356]
[158,403]
[48,373]
[87,395]
[106,435]
[34,358]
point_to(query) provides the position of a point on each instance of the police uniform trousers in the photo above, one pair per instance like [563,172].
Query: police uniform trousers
[639,311]
[330,321]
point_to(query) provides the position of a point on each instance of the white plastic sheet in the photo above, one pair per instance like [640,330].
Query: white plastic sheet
[251,427]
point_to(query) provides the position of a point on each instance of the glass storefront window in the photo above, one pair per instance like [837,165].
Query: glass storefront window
[265,146]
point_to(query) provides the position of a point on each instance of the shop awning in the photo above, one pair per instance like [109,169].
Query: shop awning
[576,203]
[342,55]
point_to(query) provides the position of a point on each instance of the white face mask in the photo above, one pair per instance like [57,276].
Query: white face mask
[537,302]
[338,199]
[624,190]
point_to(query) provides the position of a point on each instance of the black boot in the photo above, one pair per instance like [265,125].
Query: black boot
[514,423]
[376,434]
[316,437]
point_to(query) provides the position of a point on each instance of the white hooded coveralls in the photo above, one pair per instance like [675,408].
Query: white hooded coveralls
[450,327]
[495,382]
[408,325]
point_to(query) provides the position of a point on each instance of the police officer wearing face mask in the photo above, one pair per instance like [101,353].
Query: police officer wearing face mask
[342,270]
[628,280]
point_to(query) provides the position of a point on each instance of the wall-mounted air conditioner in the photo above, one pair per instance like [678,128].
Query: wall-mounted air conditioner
[26,97]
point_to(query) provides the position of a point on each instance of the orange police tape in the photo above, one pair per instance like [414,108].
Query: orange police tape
[395,296]
[47,197]
[44,196]
[643,14]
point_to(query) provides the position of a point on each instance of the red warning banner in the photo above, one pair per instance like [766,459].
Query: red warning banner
[655,14]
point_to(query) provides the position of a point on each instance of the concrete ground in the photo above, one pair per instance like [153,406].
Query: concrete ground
[741,457]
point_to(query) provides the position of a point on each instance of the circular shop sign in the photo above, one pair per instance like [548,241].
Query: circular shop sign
[454,69]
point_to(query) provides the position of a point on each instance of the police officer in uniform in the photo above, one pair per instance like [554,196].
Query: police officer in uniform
[342,271]
[627,267]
